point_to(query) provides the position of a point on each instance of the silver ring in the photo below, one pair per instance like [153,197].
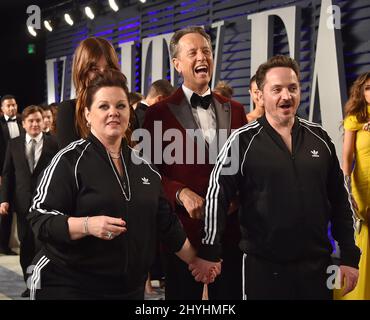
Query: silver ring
[109,235]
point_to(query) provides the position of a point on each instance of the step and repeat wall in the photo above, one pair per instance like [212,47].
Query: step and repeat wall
[329,38]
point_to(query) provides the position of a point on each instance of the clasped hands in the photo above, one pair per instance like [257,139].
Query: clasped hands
[205,271]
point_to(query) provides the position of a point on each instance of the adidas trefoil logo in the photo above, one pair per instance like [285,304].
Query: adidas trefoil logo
[315,154]
[145,180]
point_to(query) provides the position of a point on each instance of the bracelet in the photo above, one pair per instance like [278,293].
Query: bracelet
[179,202]
[86,226]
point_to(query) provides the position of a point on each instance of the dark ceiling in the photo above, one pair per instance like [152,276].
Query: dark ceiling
[23,75]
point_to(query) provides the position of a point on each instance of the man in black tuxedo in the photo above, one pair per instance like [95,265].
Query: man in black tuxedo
[158,91]
[26,157]
[11,127]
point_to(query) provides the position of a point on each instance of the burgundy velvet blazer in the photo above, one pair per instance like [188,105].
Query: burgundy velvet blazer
[175,113]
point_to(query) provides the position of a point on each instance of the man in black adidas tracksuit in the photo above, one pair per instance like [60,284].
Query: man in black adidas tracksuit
[291,186]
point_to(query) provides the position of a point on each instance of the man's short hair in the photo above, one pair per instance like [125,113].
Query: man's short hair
[6,97]
[161,87]
[134,97]
[180,33]
[275,62]
[224,89]
[30,110]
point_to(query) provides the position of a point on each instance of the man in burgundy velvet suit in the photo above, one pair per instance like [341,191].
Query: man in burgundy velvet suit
[185,176]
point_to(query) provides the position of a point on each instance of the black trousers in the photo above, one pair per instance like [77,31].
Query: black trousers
[55,282]
[180,284]
[5,230]
[27,249]
[70,293]
[302,280]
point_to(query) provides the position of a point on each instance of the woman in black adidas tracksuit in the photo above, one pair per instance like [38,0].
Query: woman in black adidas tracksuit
[98,208]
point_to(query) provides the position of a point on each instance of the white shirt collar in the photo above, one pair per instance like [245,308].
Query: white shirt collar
[37,138]
[188,93]
[7,117]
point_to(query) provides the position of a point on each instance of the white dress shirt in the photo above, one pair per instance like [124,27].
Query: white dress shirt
[38,148]
[205,118]
[12,126]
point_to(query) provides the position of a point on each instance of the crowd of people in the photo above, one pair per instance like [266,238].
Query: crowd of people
[248,220]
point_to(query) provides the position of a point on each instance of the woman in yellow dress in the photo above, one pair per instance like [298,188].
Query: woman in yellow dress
[356,168]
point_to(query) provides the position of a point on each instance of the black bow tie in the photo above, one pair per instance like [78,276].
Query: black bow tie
[10,119]
[198,101]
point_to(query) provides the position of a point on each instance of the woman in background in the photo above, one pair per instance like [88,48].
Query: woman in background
[356,168]
[49,117]
[92,55]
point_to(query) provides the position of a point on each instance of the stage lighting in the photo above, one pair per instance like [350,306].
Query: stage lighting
[32,31]
[113,5]
[48,26]
[142,1]
[68,19]
[89,12]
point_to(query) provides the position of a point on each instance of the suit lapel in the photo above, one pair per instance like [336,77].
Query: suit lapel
[223,113]
[21,151]
[20,127]
[4,127]
[181,110]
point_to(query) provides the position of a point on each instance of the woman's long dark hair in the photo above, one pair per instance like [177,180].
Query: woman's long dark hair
[356,104]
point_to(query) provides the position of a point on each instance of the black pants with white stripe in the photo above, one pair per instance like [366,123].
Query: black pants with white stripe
[50,281]
[303,280]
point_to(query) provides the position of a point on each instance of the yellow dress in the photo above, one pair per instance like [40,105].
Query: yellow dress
[360,180]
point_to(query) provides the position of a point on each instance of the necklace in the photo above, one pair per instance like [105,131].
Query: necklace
[115,155]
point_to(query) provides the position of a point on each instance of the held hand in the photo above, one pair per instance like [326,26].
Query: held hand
[193,203]
[4,208]
[105,227]
[349,276]
[204,271]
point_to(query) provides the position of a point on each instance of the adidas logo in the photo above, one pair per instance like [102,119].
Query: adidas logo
[145,180]
[315,154]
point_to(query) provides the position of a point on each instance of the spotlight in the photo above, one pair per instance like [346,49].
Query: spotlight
[68,19]
[142,1]
[32,31]
[113,5]
[89,12]
[48,26]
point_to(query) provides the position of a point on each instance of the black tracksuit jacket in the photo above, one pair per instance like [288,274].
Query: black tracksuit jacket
[82,181]
[287,198]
